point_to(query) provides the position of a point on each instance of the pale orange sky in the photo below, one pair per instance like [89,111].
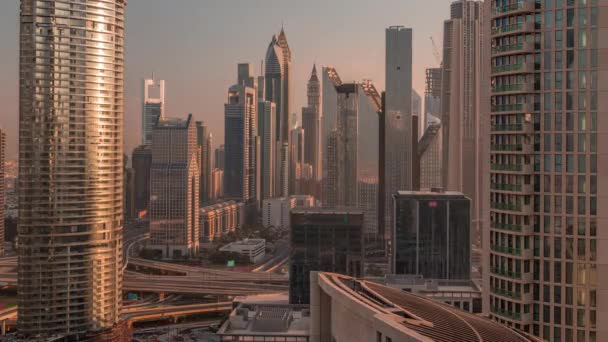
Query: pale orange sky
[195,46]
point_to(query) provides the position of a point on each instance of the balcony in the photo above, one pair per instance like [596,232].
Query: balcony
[525,87]
[506,187]
[519,168]
[525,6]
[513,28]
[524,47]
[507,250]
[506,206]
[515,228]
[513,108]
[506,148]
[504,273]
[517,68]
[506,293]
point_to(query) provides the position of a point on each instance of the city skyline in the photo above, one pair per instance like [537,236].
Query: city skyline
[203,56]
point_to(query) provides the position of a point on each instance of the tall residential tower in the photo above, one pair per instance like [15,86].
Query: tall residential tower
[70,167]
[153,107]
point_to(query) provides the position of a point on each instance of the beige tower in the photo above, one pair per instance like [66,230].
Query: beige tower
[70,166]
[545,271]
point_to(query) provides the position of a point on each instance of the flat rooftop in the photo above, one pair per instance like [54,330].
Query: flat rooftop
[250,319]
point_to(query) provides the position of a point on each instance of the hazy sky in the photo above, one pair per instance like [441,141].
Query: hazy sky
[195,45]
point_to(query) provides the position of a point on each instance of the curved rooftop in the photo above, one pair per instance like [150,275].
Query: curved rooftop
[418,317]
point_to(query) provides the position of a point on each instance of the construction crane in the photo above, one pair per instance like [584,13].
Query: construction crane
[436,52]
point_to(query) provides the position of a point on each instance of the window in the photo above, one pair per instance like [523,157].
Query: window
[378,336]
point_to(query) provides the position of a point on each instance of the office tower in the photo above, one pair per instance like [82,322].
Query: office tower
[267,133]
[129,190]
[398,116]
[278,90]
[545,236]
[2,190]
[217,184]
[174,187]
[432,96]
[296,155]
[429,152]
[368,203]
[417,111]
[431,235]
[331,189]
[239,137]
[348,106]
[329,109]
[460,117]
[141,161]
[311,123]
[70,168]
[220,157]
[328,240]
[153,107]
[204,140]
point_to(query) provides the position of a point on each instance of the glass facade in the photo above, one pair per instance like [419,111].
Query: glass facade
[327,240]
[432,235]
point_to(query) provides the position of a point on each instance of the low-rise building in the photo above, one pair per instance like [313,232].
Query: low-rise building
[219,219]
[254,249]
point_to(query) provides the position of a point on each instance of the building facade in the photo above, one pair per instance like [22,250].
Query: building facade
[239,172]
[276,211]
[460,113]
[544,239]
[219,219]
[267,133]
[2,188]
[153,107]
[432,96]
[254,249]
[329,240]
[311,123]
[141,162]
[431,235]
[398,128]
[70,168]
[219,159]
[204,141]
[174,187]
[431,158]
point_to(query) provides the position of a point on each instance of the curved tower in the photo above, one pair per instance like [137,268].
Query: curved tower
[70,166]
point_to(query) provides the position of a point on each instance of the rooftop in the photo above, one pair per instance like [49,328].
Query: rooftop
[430,193]
[437,321]
[251,319]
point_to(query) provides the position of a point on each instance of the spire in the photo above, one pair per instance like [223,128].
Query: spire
[313,74]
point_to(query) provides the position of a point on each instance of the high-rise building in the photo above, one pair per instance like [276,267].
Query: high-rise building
[129,190]
[329,109]
[267,133]
[217,184]
[432,96]
[174,187]
[311,122]
[278,90]
[329,240]
[296,162]
[431,235]
[204,141]
[347,126]
[544,235]
[429,152]
[153,107]
[220,157]
[141,162]
[398,128]
[417,111]
[70,167]
[331,189]
[2,190]
[239,140]
[460,113]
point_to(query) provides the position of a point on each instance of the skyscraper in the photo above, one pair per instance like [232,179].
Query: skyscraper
[70,167]
[431,234]
[329,109]
[278,90]
[204,141]
[296,155]
[141,161]
[398,128]
[266,131]
[417,111]
[545,240]
[329,240]
[220,158]
[429,152]
[153,107]
[432,96]
[239,137]
[311,122]
[2,191]
[174,187]
[460,117]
